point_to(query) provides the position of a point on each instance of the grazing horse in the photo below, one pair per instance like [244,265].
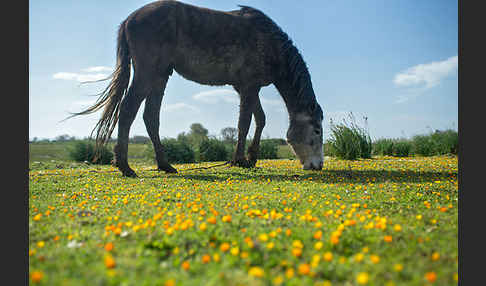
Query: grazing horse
[243,48]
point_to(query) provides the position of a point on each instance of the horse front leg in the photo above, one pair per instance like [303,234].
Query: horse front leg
[248,99]
[151,117]
[260,123]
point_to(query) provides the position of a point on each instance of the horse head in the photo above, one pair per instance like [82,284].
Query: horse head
[305,137]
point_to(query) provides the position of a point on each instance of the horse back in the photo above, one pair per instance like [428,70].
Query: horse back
[203,45]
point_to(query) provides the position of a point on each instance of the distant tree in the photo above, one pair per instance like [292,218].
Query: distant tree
[183,137]
[138,139]
[229,134]
[64,138]
[198,129]
[197,134]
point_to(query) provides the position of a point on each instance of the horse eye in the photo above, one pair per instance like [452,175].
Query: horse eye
[317,131]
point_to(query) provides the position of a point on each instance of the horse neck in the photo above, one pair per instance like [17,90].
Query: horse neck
[293,101]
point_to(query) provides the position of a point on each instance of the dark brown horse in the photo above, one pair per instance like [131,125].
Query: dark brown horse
[243,48]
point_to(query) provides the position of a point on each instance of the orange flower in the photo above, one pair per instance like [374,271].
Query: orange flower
[374,258]
[227,218]
[318,234]
[431,276]
[304,269]
[327,256]
[206,258]
[212,220]
[110,261]
[185,265]
[169,282]
[224,247]
[203,226]
[256,271]
[36,276]
[334,239]
[435,256]
[296,252]
[388,238]
[109,246]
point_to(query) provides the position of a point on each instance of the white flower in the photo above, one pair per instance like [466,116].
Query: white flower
[74,244]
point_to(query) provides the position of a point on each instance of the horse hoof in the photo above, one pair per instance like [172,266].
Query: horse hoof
[168,169]
[129,173]
[242,163]
[171,170]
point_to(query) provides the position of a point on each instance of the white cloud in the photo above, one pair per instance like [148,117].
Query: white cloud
[98,69]
[79,77]
[89,74]
[427,75]
[217,95]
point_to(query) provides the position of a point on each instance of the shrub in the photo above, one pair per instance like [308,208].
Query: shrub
[175,151]
[211,150]
[85,151]
[383,147]
[344,143]
[268,149]
[392,147]
[437,143]
[446,142]
[401,148]
[350,142]
[423,145]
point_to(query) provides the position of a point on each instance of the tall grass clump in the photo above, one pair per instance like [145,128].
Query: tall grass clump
[350,141]
[383,147]
[401,148]
[392,147]
[437,143]
[83,151]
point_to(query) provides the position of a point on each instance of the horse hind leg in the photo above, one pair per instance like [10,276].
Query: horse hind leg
[259,116]
[128,110]
[151,117]
[248,99]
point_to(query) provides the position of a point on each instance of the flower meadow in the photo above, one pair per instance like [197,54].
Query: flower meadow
[380,221]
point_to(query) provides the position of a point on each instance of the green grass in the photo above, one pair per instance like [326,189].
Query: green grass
[59,151]
[157,221]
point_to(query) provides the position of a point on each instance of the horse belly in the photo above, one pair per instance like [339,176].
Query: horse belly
[207,67]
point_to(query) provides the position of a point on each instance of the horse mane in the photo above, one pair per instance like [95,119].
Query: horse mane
[296,70]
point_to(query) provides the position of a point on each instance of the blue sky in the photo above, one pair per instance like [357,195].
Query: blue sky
[393,61]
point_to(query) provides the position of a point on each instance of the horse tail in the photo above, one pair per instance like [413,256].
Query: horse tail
[112,96]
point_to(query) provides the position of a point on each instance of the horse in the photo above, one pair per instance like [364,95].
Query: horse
[243,48]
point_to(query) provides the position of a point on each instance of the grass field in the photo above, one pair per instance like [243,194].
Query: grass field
[382,221]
